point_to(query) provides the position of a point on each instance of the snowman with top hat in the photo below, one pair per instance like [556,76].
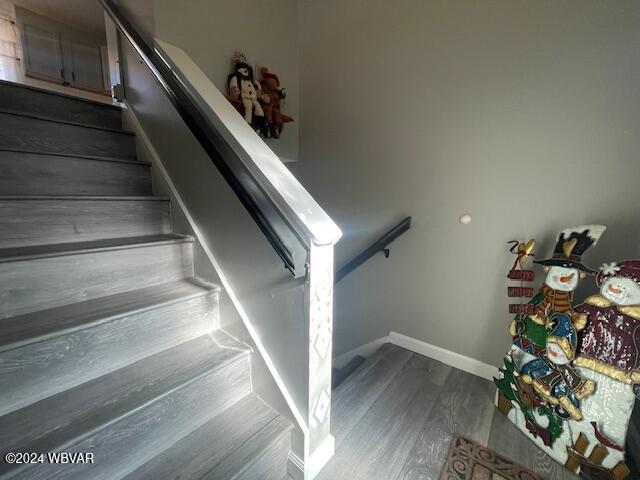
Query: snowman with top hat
[564,270]
[551,373]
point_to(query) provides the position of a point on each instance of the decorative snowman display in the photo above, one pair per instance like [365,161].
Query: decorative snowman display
[609,354]
[552,375]
[564,271]
[572,376]
[245,92]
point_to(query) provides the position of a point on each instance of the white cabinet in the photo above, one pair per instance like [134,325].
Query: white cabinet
[42,53]
[83,66]
[51,56]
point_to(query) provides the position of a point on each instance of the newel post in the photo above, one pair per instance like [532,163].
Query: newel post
[319,444]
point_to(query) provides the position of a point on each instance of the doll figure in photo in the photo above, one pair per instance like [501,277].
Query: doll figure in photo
[271,99]
[244,93]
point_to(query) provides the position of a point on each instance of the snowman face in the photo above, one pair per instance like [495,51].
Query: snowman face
[556,354]
[621,291]
[563,278]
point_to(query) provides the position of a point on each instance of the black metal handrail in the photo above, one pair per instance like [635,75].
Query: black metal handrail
[281,234]
[379,245]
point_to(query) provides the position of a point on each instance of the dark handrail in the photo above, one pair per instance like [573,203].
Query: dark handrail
[281,234]
[379,245]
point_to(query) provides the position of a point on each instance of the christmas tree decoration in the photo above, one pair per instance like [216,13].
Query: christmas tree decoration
[570,379]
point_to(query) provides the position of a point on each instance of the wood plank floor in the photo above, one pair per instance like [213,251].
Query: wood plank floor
[396,415]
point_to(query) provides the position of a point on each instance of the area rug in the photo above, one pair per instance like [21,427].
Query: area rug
[468,460]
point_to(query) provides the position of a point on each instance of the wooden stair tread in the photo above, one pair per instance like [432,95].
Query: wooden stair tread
[45,153]
[52,250]
[217,441]
[118,198]
[57,422]
[109,344]
[46,118]
[60,94]
[256,458]
[49,323]
[21,131]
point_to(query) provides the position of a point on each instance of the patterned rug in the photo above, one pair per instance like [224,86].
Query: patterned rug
[468,460]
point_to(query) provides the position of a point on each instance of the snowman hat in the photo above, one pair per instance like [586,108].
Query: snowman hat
[627,269]
[240,61]
[571,245]
[563,334]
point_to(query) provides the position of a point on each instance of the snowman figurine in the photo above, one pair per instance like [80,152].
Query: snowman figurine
[244,88]
[564,271]
[609,354]
[610,344]
[552,375]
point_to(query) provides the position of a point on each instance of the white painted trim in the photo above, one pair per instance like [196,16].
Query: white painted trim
[319,458]
[295,466]
[461,362]
[364,351]
[298,470]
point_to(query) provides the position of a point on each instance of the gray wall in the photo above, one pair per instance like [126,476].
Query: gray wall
[140,14]
[210,31]
[525,114]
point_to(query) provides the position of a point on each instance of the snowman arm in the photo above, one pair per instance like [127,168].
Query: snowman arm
[579,320]
[512,328]
[234,89]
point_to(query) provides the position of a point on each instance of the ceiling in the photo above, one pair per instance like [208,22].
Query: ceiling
[83,14]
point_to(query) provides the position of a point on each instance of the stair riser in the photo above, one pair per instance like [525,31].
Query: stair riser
[58,107]
[37,283]
[38,370]
[32,134]
[33,174]
[33,222]
[126,444]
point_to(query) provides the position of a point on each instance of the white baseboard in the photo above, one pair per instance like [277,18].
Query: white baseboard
[319,458]
[461,362]
[298,470]
[364,351]
[295,466]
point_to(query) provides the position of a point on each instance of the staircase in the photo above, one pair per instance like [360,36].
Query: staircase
[108,343]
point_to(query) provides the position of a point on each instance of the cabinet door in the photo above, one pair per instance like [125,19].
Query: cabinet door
[86,66]
[43,57]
